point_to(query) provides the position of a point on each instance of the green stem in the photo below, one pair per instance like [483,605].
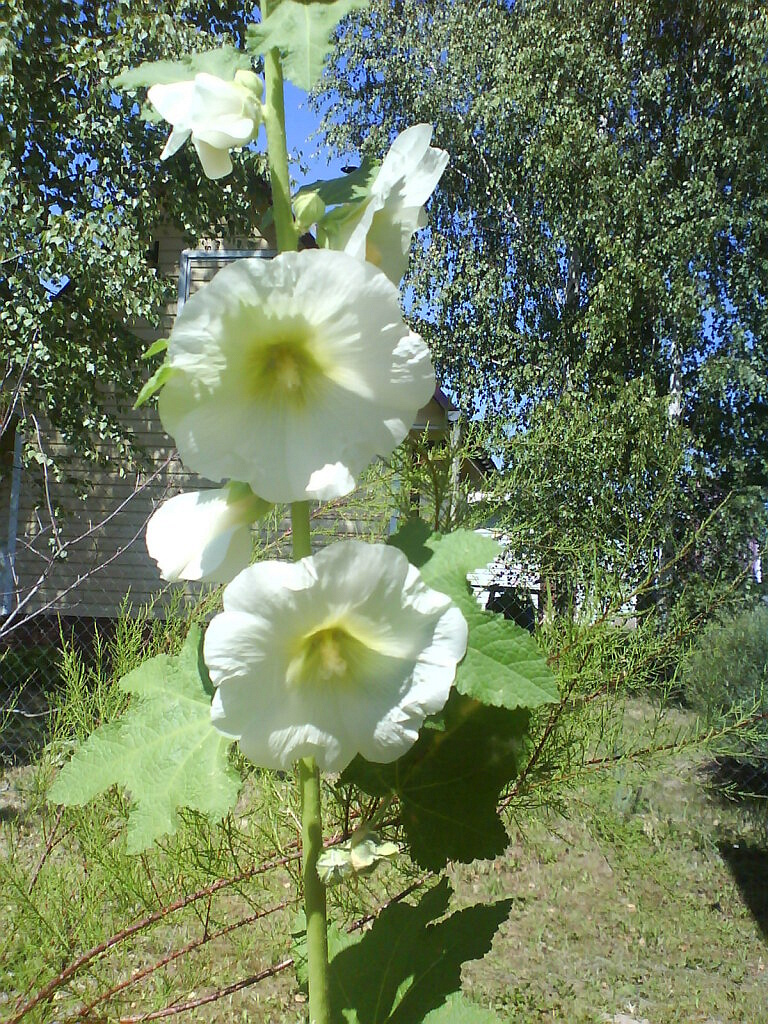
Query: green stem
[300,531]
[314,892]
[309,775]
[312,834]
[277,149]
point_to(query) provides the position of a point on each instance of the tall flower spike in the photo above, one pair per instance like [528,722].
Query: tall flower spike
[292,374]
[381,228]
[205,535]
[219,115]
[344,652]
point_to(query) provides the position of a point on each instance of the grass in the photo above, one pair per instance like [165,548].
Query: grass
[640,896]
[629,906]
[625,905]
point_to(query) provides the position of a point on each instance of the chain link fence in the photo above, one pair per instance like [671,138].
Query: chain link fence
[30,676]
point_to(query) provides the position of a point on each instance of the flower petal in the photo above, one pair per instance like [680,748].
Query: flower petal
[275,360]
[176,140]
[342,653]
[216,162]
[411,169]
[380,229]
[204,535]
[173,101]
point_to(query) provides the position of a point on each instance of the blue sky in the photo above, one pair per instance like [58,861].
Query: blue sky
[300,123]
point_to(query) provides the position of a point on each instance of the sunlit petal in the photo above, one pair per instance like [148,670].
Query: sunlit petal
[342,653]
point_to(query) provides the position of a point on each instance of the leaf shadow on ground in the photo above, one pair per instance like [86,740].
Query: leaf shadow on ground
[409,963]
[749,868]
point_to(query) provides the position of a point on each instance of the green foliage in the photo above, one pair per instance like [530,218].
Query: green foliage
[449,782]
[607,164]
[157,381]
[727,670]
[301,31]
[164,749]
[459,1010]
[503,665]
[223,62]
[84,196]
[407,968]
[350,188]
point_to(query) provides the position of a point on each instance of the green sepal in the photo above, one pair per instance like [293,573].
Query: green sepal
[158,379]
[334,229]
[450,781]
[301,30]
[224,62]
[163,749]
[308,209]
[348,188]
[161,345]
[407,967]
[503,665]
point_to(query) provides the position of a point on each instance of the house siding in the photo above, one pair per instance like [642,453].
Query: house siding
[103,566]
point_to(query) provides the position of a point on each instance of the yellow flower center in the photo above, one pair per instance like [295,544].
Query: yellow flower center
[285,368]
[330,655]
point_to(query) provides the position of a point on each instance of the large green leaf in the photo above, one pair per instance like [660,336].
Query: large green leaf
[301,31]
[407,968]
[503,664]
[450,781]
[410,962]
[222,62]
[164,749]
[459,1010]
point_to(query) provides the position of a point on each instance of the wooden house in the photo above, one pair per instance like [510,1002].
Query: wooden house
[100,539]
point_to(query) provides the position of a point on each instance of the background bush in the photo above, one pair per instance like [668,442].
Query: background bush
[726,675]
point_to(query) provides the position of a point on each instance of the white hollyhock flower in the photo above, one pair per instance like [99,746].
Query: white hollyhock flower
[380,230]
[205,535]
[342,653]
[219,115]
[291,374]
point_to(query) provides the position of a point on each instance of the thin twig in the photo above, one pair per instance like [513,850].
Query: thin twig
[10,624]
[158,915]
[51,842]
[193,1004]
[84,1011]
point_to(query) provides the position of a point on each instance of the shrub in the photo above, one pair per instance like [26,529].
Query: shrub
[728,667]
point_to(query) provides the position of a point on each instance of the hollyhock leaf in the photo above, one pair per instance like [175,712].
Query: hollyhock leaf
[301,31]
[407,967]
[450,781]
[163,750]
[504,665]
[223,62]
[457,1009]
